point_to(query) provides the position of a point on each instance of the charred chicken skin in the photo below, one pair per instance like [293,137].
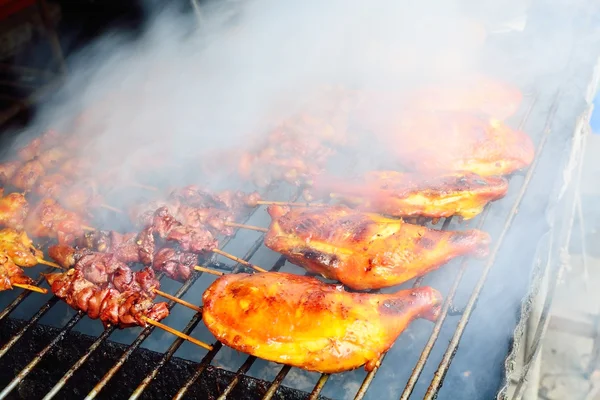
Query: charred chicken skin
[410,195]
[365,251]
[113,308]
[11,273]
[303,322]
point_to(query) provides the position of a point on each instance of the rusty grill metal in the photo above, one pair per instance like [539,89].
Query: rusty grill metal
[434,335]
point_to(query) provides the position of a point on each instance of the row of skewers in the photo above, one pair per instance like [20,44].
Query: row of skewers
[360,242]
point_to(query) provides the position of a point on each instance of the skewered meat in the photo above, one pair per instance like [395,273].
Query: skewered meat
[13,210]
[8,170]
[52,157]
[365,251]
[195,240]
[175,264]
[303,322]
[35,146]
[49,219]
[433,143]
[27,175]
[105,269]
[111,306]
[408,195]
[52,185]
[19,247]
[10,273]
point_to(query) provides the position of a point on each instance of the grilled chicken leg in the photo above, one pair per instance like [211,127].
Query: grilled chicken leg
[303,322]
[409,195]
[365,251]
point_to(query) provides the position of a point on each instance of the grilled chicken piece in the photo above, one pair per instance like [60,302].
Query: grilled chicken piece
[13,210]
[52,157]
[365,251]
[19,247]
[122,309]
[52,185]
[35,146]
[409,195]
[303,322]
[10,273]
[27,175]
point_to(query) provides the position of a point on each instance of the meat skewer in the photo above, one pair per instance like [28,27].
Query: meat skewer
[19,247]
[11,275]
[113,308]
[365,251]
[303,322]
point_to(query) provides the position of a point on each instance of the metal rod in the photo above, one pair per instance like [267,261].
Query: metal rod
[277,382]
[314,395]
[7,346]
[63,381]
[25,371]
[241,371]
[165,358]
[439,375]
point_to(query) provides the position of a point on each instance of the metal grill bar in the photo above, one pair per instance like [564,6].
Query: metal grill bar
[25,371]
[439,375]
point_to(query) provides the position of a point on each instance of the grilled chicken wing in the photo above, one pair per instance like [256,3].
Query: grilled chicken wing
[409,195]
[303,322]
[365,251]
[13,210]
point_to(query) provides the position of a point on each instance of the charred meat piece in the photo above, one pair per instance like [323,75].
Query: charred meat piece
[365,251]
[303,322]
[52,185]
[105,269]
[10,273]
[13,210]
[409,195]
[27,175]
[195,240]
[49,219]
[176,264]
[163,222]
[19,247]
[8,170]
[113,308]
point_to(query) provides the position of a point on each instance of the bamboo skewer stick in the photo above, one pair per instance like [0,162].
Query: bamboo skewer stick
[141,186]
[111,208]
[208,271]
[88,228]
[250,227]
[239,260]
[30,287]
[178,300]
[177,333]
[291,204]
[49,263]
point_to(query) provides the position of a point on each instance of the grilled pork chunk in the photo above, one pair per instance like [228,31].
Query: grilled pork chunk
[303,322]
[410,195]
[365,251]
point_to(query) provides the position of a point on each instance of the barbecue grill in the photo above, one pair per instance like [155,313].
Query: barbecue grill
[48,350]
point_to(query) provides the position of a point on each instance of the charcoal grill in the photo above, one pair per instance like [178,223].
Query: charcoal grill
[38,360]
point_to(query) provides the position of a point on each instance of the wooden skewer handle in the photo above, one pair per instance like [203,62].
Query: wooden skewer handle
[178,300]
[243,226]
[177,333]
[208,271]
[239,260]
[30,287]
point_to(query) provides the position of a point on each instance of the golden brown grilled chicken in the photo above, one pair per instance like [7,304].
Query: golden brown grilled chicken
[27,175]
[409,195]
[426,142]
[13,210]
[7,170]
[10,273]
[303,322]
[362,250]
[19,247]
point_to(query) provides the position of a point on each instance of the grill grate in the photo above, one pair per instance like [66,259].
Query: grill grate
[275,385]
